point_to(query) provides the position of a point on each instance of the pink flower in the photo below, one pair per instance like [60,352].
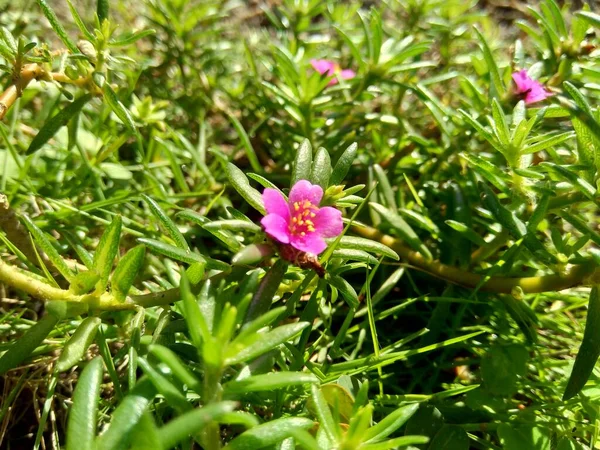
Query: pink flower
[532,90]
[330,68]
[300,222]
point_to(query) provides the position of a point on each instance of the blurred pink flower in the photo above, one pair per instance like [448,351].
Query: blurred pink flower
[330,68]
[300,222]
[532,90]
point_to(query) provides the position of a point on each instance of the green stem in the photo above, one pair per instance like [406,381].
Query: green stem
[213,393]
[575,276]
[18,279]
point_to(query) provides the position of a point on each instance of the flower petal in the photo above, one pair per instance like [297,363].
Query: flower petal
[275,203]
[522,80]
[328,222]
[536,94]
[311,243]
[305,190]
[323,66]
[347,74]
[276,227]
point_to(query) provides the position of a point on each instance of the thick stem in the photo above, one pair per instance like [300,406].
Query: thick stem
[575,276]
[14,91]
[12,276]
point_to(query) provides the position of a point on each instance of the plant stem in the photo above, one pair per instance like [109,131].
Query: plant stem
[575,276]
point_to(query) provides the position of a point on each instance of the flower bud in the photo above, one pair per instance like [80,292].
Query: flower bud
[251,254]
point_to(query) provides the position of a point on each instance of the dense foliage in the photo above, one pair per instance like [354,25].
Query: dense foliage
[170,168]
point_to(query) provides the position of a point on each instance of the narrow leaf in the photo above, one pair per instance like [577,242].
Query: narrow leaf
[56,26]
[590,348]
[106,251]
[55,123]
[83,415]
[167,223]
[126,271]
[78,344]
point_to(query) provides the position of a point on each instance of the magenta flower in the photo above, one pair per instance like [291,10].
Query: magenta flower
[532,90]
[330,68]
[300,222]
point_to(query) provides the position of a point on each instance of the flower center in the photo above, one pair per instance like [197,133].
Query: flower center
[302,215]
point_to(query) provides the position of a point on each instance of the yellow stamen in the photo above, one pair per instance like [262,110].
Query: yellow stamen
[301,222]
[312,214]
[296,206]
[309,222]
[302,233]
[311,228]
[294,219]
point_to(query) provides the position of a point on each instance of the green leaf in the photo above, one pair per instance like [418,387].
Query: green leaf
[192,423]
[44,243]
[263,297]
[244,350]
[523,437]
[451,437]
[164,387]
[404,230]
[269,433]
[505,217]
[56,26]
[181,255]
[55,123]
[345,289]
[107,249]
[544,144]
[482,131]
[565,443]
[250,153]
[489,171]
[126,271]
[77,18]
[197,326]
[426,421]
[367,245]
[179,370]
[466,231]
[84,282]
[268,382]
[592,18]
[343,164]
[26,344]
[589,351]
[587,128]
[146,435]
[240,183]
[83,414]
[224,236]
[390,423]
[9,40]
[119,109]
[572,177]
[102,9]
[233,225]
[126,416]
[501,366]
[497,87]
[321,169]
[399,442]
[323,413]
[385,188]
[500,123]
[78,344]
[167,223]
[130,38]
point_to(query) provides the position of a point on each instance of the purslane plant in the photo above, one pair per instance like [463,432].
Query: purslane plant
[234,345]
